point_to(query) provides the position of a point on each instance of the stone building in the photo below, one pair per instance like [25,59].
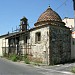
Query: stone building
[49,41]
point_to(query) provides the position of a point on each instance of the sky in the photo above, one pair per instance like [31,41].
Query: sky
[11,11]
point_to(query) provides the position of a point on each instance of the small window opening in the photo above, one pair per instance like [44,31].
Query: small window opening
[38,37]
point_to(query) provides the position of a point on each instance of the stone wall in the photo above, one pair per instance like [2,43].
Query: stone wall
[40,50]
[60,44]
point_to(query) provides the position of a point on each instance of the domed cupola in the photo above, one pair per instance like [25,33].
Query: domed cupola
[48,17]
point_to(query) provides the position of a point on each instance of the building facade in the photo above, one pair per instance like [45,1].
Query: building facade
[3,44]
[49,41]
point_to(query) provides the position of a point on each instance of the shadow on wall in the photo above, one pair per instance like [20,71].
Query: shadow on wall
[73,46]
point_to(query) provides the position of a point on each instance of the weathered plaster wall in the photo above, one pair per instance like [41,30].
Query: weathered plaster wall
[40,51]
[1,47]
[21,46]
[69,22]
[60,44]
[24,45]
[3,43]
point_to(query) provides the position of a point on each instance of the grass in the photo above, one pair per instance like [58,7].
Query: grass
[73,70]
[13,57]
[26,60]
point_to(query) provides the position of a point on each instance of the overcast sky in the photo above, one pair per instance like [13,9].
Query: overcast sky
[11,11]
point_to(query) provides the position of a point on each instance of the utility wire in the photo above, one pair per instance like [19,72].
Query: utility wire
[64,3]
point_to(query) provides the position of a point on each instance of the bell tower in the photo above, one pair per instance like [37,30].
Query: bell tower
[23,24]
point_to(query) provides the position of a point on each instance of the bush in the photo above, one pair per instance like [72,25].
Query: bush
[73,70]
[26,61]
[19,57]
[13,57]
[25,56]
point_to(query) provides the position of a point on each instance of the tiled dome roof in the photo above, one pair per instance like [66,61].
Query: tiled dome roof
[47,16]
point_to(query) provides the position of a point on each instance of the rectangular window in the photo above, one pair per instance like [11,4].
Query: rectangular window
[38,37]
